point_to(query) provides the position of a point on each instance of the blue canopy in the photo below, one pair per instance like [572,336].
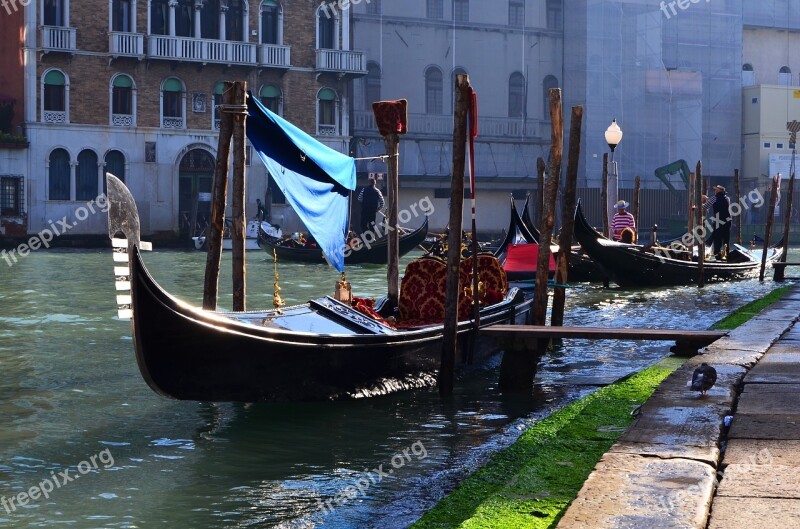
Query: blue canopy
[316,179]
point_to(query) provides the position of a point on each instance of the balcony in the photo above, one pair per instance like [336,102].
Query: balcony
[57,38]
[442,125]
[126,44]
[201,50]
[344,62]
[57,117]
[168,122]
[273,55]
[121,120]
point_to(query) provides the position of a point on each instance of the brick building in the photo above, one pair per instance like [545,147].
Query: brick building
[131,87]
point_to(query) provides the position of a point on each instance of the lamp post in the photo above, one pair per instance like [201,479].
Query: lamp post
[613,137]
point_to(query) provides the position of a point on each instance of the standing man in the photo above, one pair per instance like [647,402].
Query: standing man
[261,214]
[371,202]
[721,204]
[621,220]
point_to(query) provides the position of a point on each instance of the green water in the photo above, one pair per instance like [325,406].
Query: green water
[70,390]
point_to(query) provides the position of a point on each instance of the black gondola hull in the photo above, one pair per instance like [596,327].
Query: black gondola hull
[632,266]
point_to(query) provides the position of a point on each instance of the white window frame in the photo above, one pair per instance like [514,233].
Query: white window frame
[66,95]
[133,15]
[111,100]
[161,104]
[65,6]
[280,25]
[336,109]
[337,21]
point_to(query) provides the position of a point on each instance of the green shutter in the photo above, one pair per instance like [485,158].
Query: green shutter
[269,91]
[123,81]
[54,77]
[219,88]
[326,94]
[173,85]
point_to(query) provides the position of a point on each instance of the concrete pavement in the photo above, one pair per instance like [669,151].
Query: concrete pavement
[680,466]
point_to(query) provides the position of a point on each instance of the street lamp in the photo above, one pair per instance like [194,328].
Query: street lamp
[613,137]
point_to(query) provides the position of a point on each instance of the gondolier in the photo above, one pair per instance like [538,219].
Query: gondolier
[621,220]
[371,202]
[721,204]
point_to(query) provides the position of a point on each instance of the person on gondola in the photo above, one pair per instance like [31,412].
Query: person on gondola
[720,204]
[621,220]
[261,213]
[371,202]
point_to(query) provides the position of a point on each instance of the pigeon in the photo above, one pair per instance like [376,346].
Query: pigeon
[703,378]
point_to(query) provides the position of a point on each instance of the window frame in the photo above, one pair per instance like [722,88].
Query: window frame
[434,105]
[434,9]
[178,99]
[57,116]
[516,13]
[12,195]
[65,190]
[325,107]
[278,23]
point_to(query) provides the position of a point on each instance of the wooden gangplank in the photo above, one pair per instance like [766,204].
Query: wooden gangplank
[686,342]
[780,270]
[777,264]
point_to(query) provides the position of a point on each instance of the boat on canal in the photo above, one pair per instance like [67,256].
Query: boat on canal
[360,249]
[634,265]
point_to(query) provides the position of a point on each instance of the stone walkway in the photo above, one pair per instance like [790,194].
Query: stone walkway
[667,469]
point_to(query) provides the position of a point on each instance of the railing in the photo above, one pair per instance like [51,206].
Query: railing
[121,120]
[489,127]
[326,130]
[127,44]
[59,38]
[55,116]
[205,50]
[274,55]
[342,61]
[171,123]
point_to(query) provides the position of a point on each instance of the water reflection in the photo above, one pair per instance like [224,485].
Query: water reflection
[70,388]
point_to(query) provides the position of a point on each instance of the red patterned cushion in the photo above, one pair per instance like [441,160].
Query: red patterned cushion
[422,291]
[366,306]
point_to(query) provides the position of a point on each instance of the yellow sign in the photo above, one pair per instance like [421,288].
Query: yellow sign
[797,94]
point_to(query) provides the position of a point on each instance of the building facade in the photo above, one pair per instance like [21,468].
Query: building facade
[512,52]
[132,87]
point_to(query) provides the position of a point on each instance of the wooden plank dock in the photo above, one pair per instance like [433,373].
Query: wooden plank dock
[686,342]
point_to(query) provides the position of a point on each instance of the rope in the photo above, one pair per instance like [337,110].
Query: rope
[233,109]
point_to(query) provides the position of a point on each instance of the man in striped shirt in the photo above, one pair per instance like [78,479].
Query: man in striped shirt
[622,219]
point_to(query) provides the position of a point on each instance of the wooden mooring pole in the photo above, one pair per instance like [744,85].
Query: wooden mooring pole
[518,367]
[773,199]
[392,144]
[637,184]
[449,338]
[540,170]
[604,196]
[218,203]
[690,191]
[701,249]
[780,271]
[738,197]
[567,217]
[238,200]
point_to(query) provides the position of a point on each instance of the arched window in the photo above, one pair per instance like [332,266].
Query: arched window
[122,101]
[327,118]
[785,76]
[326,29]
[55,97]
[516,95]
[372,92]
[115,164]
[209,19]
[271,22]
[159,17]
[172,104]
[433,91]
[270,97]
[59,175]
[548,83]
[86,176]
[234,21]
[516,13]
[219,88]
[748,75]
[122,15]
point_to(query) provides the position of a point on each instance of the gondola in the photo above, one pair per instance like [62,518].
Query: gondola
[522,231]
[320,350]
[633,265]
[358,251]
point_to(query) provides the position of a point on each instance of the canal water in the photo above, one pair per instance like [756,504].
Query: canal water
[82,433]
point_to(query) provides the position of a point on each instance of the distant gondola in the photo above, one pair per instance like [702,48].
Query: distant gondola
[374,252]
[633,265]
[320,350]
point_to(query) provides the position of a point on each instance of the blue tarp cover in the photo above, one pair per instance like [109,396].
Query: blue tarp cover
[316,179]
